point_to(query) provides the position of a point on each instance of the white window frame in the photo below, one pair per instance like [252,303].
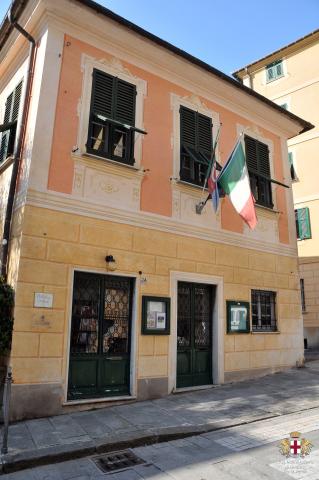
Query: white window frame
[284,72]
[193,103]
[115,68]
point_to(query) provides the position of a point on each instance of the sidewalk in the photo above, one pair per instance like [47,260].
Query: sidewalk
[47,440]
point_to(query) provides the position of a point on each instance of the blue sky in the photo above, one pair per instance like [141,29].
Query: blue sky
[227,34]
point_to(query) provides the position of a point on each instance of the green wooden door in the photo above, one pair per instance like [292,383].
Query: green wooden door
[194,334]
[100,336]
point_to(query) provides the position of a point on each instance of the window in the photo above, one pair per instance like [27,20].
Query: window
[292,167]
[303,227]
[257,157]
[302,293]
[263,307]
[112,116]
[9,128]
[196,146]
[284,106]
[274,70]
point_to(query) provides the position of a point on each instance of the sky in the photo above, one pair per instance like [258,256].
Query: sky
[227,34]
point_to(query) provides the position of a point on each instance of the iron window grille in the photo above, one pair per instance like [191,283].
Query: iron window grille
[263,308]
[257,158]
[9,127]
[274,70]
[112,118]
[196,146]
[302,294]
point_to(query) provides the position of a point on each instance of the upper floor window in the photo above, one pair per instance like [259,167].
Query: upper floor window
[196,145]
[263,310]
[274,70]
[284,106]
[303,227]
[9,127]
[112,114]
[257,157]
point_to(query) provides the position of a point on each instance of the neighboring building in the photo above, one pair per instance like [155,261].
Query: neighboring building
[93,184]
[290,77]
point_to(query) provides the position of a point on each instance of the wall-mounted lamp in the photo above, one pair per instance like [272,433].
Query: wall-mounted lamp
[110,263]
[142,279]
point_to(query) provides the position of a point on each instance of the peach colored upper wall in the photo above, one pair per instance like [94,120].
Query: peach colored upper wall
[156,196]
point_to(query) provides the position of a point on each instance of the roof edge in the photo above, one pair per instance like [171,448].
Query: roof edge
[304,39]
[19,5]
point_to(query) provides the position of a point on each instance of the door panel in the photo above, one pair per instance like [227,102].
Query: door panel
[194,334]
[100,336]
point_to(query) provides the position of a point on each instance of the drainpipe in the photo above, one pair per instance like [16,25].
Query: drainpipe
[18,152]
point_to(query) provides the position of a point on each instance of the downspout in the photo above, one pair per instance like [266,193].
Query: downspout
[18,152]
[250,80]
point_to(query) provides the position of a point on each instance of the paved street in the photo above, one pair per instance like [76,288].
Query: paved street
[244,452]
[274,397]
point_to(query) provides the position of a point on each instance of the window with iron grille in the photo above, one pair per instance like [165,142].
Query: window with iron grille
[263,308]
[196,146]
[112,115]
[302,294]
[274,70]
[9,127]
[303,226]
[257,158]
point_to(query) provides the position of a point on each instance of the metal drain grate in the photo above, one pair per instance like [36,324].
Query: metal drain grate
[115,461]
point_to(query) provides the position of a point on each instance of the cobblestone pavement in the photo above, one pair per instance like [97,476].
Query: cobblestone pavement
[83,433]
[243,452]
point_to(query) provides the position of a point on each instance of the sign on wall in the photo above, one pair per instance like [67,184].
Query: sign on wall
[237,317]
[155,315]
[43,300]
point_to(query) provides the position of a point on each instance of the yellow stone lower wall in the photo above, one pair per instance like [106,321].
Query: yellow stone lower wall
[309,272]
[54,243]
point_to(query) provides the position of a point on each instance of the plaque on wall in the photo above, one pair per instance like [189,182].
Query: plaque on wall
[155,315]
[237,317]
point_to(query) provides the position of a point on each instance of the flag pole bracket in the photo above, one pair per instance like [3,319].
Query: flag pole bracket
[199,207]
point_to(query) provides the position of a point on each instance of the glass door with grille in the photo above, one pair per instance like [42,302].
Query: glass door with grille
[194,334]
[100,336]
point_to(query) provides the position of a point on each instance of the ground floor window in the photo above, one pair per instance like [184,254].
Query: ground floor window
[263,306]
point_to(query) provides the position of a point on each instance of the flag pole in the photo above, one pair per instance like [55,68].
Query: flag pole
[199,206]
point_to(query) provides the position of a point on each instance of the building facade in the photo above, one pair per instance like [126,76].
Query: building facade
[121,287]
[290,77]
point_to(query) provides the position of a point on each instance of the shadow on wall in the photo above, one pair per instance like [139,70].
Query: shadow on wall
[309,286]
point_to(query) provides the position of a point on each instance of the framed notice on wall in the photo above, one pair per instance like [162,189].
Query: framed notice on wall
[155,315]
[237,317]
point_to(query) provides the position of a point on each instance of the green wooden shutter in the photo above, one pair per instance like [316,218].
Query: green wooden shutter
[204,133]
[102,94]
[284,106]
[263,159]
[10,115]
[188,127]
[303,223]
[251,154]
[124,101]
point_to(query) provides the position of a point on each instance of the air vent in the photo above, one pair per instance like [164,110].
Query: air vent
[116,461]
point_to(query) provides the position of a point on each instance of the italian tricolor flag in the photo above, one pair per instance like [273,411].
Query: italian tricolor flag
[234,180]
